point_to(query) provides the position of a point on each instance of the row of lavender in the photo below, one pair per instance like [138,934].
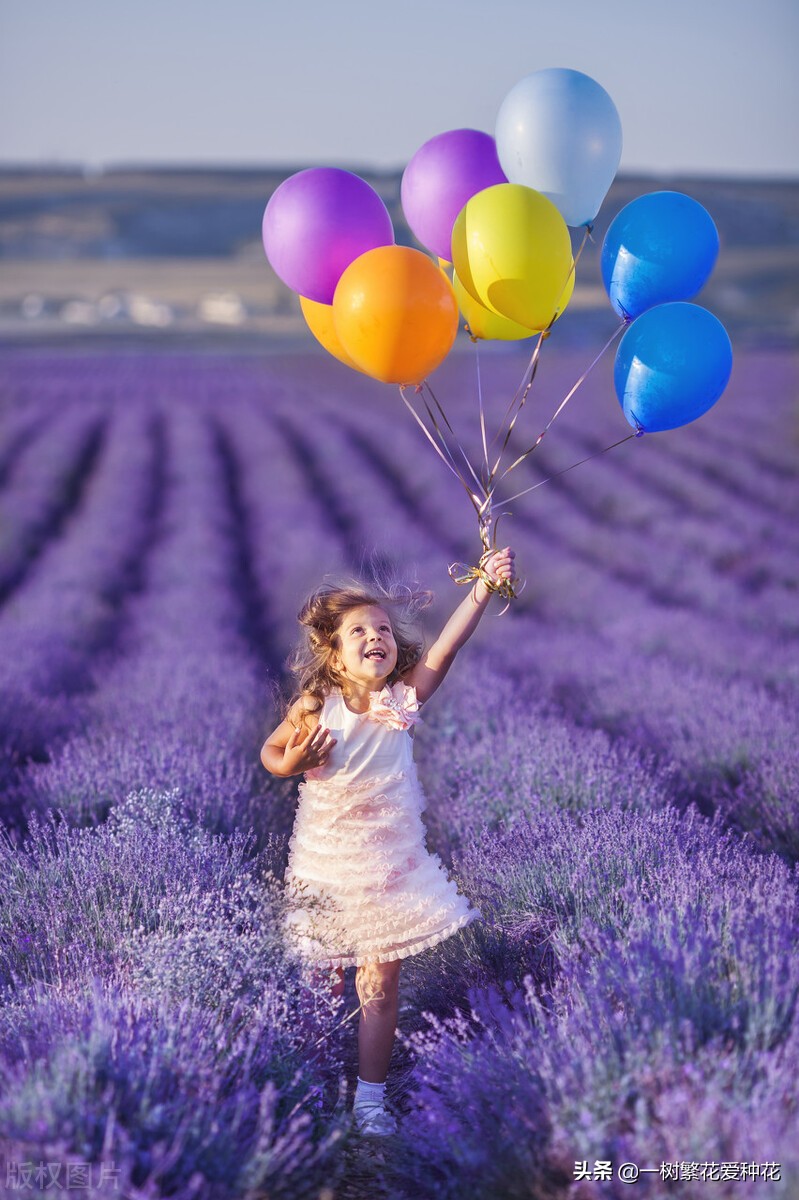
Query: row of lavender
[145,699]
[167,517]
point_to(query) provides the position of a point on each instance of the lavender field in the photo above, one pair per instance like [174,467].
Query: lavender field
[611,772]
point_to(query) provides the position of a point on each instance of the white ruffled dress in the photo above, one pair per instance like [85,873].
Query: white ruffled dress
[361,883]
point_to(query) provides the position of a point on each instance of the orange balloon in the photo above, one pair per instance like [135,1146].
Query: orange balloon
[395,314]
[319,319]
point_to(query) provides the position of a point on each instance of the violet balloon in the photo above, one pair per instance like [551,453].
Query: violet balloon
[318,222]
[442,175]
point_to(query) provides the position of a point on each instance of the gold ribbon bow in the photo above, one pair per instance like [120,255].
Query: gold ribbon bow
[462,573]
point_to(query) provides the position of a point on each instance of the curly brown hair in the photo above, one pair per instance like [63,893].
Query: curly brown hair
[321,616]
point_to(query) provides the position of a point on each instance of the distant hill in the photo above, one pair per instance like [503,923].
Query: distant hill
[199,213]
[125,214]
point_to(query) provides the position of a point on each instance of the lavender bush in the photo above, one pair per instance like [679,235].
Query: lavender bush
[179,1100]
[181,933]
[675,984]
[513,1097]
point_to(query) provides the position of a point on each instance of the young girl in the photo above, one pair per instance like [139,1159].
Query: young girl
[365,889]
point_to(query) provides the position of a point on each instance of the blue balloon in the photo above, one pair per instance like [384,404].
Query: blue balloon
[660,247]
[672,365]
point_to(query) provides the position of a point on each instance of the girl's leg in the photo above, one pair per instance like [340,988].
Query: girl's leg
[378,1022]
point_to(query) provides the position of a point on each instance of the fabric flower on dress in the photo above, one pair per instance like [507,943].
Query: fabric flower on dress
[395,707]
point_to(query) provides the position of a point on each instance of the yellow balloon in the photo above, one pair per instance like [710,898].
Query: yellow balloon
[512,252]
[482,323]
[319,319]
[446,269]
[395,314]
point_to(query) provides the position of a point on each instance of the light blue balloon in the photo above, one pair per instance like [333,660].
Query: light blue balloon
[672,365]
[559,132]
[660,247]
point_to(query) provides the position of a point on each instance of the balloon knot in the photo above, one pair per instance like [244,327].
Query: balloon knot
[462,573]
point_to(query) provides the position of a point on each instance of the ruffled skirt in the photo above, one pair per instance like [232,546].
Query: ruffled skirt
[361,883]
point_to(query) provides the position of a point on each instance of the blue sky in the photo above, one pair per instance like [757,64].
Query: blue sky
[703,86]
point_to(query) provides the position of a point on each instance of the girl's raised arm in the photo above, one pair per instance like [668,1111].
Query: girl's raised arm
[429,672]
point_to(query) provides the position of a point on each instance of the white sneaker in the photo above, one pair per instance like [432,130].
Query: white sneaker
[373,1120]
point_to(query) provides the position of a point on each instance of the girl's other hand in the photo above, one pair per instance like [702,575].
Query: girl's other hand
[305,752]
[500,566]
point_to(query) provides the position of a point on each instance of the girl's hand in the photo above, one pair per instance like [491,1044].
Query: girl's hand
[500,565]
[305,752]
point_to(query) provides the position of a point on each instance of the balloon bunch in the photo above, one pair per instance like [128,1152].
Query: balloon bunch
[495,213]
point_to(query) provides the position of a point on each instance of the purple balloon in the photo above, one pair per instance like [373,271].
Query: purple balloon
[442,175]
[318,222]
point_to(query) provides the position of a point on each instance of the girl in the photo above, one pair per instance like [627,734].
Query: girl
[365,890]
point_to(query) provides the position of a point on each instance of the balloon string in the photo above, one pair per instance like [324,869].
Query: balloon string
[638,433]
[567,398]
[572,270]
[461,573]
[482,410]
[481,500]
[534,367]
[444,454]
[436,427]
[528,368]
[589,229]
[532,364]
[478,481]
[445,459]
